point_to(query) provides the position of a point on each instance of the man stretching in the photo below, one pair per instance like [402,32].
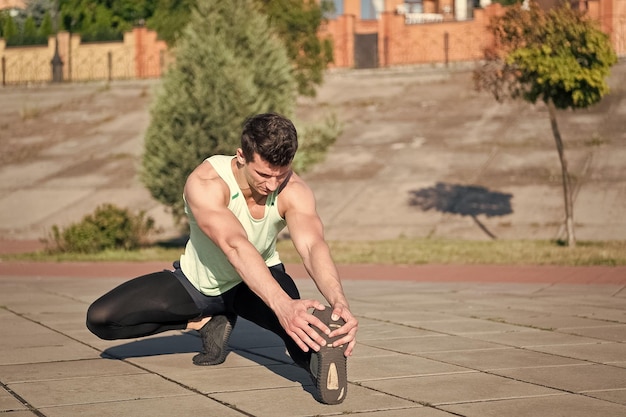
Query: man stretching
[236,207]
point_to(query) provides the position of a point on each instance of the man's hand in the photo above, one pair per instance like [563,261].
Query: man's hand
[295,318]
[349,329]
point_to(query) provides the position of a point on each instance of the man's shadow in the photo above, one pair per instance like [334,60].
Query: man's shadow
[247,340]
[464,200]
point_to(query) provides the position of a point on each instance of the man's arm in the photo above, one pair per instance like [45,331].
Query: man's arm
[207,196]
[307,233]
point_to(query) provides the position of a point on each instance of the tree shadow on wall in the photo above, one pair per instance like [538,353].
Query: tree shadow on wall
[464,200]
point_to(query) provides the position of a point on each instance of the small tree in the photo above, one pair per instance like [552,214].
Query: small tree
[29,32]
[46,29]
[10,32]
[170,18]
[297,23]
[559,57]
[229,66]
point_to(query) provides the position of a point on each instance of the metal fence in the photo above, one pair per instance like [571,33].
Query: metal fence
[139,55]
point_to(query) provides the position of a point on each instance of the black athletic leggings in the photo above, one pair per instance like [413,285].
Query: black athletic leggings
[159,302]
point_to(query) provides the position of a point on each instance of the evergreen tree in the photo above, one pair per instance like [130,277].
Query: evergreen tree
[297,23]
[95,21]
[10,31]
[229,66]
[170,18]
[29,32]
[46,29]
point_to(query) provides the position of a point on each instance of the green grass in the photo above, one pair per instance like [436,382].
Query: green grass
[402,252]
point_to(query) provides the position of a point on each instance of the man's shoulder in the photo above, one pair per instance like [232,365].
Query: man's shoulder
[296,192]
[205,171]
[205,180]
[296,184]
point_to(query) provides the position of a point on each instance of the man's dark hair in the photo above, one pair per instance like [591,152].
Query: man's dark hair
[272,136]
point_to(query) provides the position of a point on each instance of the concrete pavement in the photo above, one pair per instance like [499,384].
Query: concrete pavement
[438,341]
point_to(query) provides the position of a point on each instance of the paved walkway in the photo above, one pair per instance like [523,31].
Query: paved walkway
[434,341]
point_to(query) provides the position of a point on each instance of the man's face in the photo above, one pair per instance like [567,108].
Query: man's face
[263,177]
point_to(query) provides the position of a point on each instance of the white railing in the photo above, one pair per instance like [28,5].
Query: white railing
[416,18]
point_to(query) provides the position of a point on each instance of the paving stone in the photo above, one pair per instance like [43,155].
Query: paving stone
[213,379]
[565,405]
[376,330]
[295,402]
[182,363]
[490,360]
[10,404]
[551,321]
[188,405]
[469,326]
[62,370]
[613,395]
[362,368]
[417,411]
[574,378]
[533,337]
[601,352]
[615,333]
[47,348]
[416,345]
[73,391]
[454,388]
[161,344]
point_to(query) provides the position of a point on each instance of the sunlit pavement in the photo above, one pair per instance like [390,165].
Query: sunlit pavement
[433,341]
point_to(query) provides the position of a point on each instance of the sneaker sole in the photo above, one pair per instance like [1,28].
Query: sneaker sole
[330,374]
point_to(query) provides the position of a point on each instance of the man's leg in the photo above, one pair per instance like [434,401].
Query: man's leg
[243,301]
[326,367]
[143,306]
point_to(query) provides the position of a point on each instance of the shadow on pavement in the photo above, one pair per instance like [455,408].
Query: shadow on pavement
[464,200]
[154,346]
[248,341]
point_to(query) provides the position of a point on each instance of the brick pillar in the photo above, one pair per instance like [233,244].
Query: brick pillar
[383,37]
[64,52]
[139,34]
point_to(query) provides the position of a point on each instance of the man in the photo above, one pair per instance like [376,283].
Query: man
[236,206]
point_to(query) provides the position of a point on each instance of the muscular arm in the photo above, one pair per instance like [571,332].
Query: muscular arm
[307,233]
[207,196]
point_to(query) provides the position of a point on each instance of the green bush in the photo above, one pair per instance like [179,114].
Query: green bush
[109,227]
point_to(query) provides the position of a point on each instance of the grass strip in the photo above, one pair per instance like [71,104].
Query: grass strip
[396,252]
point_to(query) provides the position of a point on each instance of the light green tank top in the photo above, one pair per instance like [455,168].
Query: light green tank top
[203,263]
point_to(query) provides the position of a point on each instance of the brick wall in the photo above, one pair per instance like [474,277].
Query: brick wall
[612,18]
[402,44]
[448,41]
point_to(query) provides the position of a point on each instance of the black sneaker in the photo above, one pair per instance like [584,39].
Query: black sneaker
[328,367]
[215,334]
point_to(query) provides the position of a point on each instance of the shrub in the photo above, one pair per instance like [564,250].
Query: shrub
[109,227]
